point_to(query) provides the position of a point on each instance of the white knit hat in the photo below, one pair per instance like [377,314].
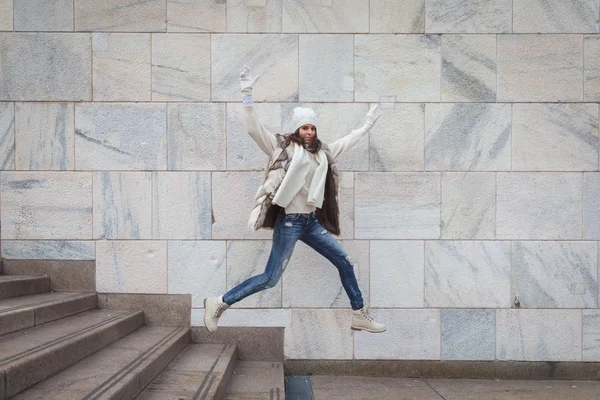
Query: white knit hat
[303,116]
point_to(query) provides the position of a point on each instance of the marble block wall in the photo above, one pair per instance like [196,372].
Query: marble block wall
[471,211]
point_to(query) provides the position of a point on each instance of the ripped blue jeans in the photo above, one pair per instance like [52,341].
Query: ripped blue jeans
[289,228]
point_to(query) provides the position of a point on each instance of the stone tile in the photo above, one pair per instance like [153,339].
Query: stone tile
[538,335]
[389,16]
[122,66]
[473,274]
[555,137]
[191,192]
[254,16]
[473,16]
[25,199]
[180,67]
[555,16]
[468,205]
[319,334]
[159,309]
[248,258]
[326,68]
[196,15]
[257,344]
[197,268]
[131,266]
[397,273]
[591,335]
[555,274]
[410,335]
[273,57]
[32,57]
[122,205]
[127,136]
[408,206]
[247,318]
[7,136]
[397,140]
[197,138]
[346,204]
[120,15]
[380,59]
[65,275]
[591,206]
[468,334]
[242,151]
[361,387]
[468,137]
[311,281]
[40,15]
[6,21]
[469,68]
[49,249]
[538,68]
[326,16]
[591,70]
[45,136]
[539,205]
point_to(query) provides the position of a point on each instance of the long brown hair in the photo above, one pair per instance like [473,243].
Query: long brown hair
[313,147]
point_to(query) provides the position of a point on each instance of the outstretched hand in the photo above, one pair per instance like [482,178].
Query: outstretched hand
[372,116]
[246,81]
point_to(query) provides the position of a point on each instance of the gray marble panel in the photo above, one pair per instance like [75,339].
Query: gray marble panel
[122,205]
[181,206]
[468,137]
[326,16]
[43,15]
[407,206]
[48,250]
[538,335]
[591,71]
[555,137]
[196,136]
[196,15]
[591,335]
[469,68]
[273,57]
[467,274]
[555,274]
[539,68]
[33,57]
[7,136]
[120,15]
[122,66]
[46,205]
[248,317]
[397,68]
[6,15]
[45,136]
[473,16]
[591,206]
[468,334]
[555,16]
[539,205]
[392,16]
[346,203]
[120,136]
[180,67]
[254,16]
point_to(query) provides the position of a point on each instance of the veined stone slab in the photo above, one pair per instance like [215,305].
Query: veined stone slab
[253,15]
[181,205]
[196,15]
[131,266]
[247,317]
[467,274]
[397,68]
[42,15]
[473,16]
[122,66]
[469,68]
[196,136]
[6,15]
[7,136]
[591,206]
[538,335]
[390,16]
[468,137]
[591,335]
[537,68]
[45,136]
[346,204]
[32,57]
[197,268]
[120,136]
[46,205]
[555,137]
[591,82]
[539,205]
[120,15]
[273,57]
[468,334]
[49,250]
[555,274]
[122,205]
[180,67]
[397,273]
[326,16]
[555,16]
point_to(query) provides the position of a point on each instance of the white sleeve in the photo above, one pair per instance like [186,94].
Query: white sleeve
[265,139]
[346,142]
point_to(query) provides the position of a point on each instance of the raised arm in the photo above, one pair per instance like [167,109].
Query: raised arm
[348,141]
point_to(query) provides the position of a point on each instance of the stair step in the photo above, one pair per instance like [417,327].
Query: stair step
[119,371]
[22,285]
[200,371]
[256,380]
[26,311]
[31,355]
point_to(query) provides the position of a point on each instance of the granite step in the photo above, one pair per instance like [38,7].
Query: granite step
[256,380]
[22,285]
[31,355]
[200,371]
[26,311]
[118,371]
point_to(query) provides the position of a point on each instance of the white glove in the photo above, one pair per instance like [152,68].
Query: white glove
[372,117]
[247,82]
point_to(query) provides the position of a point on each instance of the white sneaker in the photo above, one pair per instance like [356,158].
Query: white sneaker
[362,321]
[213,308]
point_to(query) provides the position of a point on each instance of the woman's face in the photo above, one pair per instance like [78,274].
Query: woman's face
[308,132]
